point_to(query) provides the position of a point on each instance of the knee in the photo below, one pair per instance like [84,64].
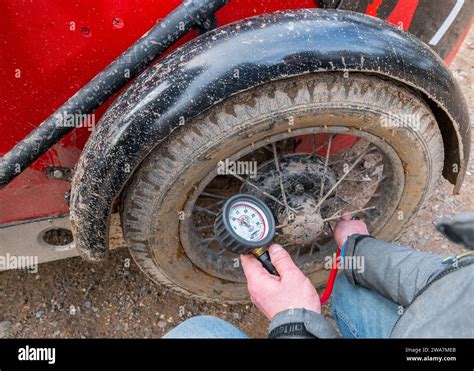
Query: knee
[202,320]
[207,327]
[194,327]
[341,284]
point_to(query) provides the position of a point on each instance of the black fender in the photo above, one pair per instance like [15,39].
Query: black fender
[237,57]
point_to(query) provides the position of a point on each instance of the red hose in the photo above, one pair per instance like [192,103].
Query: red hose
[332,277]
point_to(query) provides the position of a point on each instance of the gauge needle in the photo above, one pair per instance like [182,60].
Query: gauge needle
[243,222]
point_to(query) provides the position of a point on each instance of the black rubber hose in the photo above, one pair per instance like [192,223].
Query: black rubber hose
[154,43]
[267,263]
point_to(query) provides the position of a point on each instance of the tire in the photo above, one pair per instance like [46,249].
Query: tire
[160,188]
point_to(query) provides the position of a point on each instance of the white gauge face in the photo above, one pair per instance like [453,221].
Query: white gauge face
[248,221]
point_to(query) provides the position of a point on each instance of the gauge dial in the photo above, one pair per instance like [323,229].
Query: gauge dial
[248,221]
[244,223]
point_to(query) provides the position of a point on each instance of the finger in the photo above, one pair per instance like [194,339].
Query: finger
[346,216]
[253,269]
[282,261]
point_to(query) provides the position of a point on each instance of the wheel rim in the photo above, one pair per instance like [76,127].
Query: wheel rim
[381,165]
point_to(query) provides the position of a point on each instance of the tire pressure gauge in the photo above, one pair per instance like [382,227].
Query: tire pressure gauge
[246,225]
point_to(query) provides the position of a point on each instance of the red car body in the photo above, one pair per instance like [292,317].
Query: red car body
[50,49]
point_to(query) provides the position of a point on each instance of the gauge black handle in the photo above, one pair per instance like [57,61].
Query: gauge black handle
[267,263]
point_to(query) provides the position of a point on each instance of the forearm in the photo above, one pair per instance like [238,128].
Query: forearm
[300,324]
[395,272]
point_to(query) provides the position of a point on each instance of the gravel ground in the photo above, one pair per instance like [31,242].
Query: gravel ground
[75,299]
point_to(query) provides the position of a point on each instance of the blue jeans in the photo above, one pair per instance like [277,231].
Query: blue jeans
[359,313]
[362,313]
[205,327]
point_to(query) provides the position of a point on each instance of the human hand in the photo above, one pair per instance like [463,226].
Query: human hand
[272,294]
[346,227]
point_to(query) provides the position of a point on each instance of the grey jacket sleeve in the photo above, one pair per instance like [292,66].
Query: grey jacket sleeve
[300,323]
[395,272]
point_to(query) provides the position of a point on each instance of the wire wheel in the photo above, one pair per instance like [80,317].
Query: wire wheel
[310,147]
[307,189]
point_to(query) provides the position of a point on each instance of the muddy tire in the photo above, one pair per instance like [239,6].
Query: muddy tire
[154,203]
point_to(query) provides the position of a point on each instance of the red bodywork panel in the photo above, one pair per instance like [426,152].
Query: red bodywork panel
[51,48]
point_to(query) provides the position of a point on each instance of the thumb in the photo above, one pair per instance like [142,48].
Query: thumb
[281,260]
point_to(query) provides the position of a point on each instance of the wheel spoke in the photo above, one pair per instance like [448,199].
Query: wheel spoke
[203,227]
[320,202]
[355,180]
[257,188]
[268,148]
[208,239]
[326,162]
[298,253]
[350,158]
[361,180]
[378,163]
[339,213]
[314,149]
[218,203]
[331,229]
[345,201]
[283,144]
[344,157]
[313,245]
[280,178]
[212,195]
[205,210]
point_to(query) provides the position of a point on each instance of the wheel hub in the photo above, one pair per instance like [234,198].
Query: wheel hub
[306,225]
[301,176]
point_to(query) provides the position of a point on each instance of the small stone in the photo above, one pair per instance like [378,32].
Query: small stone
[39,314]
[236,315]
[444,246]
[87,304]
[119,327]
[162,324]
